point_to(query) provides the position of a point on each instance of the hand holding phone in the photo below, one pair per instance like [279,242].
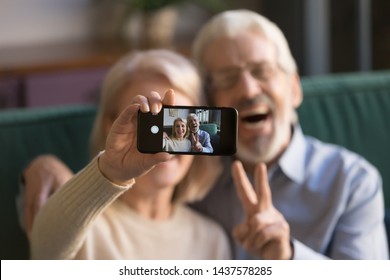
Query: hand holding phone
[191,130]
[121,161]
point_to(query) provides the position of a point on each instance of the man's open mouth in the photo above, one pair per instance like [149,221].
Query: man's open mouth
[256,117]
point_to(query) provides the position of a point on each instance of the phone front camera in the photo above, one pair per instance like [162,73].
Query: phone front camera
[154,129]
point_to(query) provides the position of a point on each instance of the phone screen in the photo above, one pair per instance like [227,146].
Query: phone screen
[188,130]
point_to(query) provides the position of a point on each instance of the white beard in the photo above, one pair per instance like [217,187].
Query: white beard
[264,149]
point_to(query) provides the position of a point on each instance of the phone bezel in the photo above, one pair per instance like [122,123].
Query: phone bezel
[152,143]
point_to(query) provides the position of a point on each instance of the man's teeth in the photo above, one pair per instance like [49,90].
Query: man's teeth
[254,125]
[254,118]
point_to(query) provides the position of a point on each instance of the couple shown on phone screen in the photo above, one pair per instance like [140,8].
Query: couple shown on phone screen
[186,133]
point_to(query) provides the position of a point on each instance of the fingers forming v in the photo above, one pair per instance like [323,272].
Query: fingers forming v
[262,188]
[256,199]
[244,189]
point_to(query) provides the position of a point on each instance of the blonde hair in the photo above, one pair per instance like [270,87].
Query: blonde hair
[183,76]
[231,23]
[177,69]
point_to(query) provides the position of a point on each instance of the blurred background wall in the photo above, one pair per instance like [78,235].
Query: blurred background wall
[46,43]
[32,22]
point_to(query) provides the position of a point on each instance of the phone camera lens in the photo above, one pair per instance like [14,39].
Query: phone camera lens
[154,129]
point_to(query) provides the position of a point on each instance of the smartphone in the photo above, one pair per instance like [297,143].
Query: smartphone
[188,130]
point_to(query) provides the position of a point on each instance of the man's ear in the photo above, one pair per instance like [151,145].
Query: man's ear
[296,90]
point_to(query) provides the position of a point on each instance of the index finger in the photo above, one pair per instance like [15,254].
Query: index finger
[244,188]
[149,102]
[262,188]
[169,97]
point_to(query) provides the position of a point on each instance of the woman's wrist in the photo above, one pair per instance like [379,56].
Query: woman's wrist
[112,174]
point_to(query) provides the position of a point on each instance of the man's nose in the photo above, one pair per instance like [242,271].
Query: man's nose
[248,85]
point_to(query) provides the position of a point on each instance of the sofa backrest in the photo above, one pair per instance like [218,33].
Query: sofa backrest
[352,110]
[24,134]
[211,128]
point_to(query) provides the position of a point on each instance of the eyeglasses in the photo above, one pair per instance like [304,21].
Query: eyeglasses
[228,78]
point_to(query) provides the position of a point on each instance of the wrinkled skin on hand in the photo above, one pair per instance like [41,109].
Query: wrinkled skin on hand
[42,177]
[265,232]
[122,162]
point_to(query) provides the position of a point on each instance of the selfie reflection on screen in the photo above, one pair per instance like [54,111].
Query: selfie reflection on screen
[191,130]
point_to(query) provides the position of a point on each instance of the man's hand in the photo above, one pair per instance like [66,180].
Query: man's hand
[265,233]
[42,177]
[122,162]
[196,146]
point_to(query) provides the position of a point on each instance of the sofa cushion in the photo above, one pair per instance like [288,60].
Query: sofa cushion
[24,134]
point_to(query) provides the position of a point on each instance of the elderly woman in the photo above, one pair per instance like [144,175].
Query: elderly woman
[179,141]
[124,204]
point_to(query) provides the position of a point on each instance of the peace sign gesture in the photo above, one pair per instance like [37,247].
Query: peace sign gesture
[265,232]
[197,146]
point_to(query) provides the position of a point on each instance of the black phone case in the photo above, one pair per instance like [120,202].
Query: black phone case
[225,140]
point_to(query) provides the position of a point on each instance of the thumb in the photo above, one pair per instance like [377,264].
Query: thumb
[124,121]
[240,232]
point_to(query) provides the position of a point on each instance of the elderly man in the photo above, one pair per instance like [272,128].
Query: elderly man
[310,200]
[200,140]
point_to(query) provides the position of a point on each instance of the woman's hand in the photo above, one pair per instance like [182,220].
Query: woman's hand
[121,162]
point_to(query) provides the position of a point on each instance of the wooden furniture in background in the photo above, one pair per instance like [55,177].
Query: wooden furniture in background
[68,73]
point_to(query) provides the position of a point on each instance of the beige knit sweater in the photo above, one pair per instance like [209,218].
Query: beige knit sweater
[84,220]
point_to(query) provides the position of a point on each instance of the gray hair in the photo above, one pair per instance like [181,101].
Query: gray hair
[230,23]
[192,116]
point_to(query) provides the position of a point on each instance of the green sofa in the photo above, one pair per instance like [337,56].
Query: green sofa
[352,110]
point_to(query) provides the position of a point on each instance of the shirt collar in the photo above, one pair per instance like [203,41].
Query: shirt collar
[292,162]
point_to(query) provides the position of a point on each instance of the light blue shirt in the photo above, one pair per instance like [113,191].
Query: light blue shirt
[332,199]
[204,139]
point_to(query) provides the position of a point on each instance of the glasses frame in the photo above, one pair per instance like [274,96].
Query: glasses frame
[227,78]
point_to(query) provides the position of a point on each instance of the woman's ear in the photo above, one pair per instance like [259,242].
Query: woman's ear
[296,90]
